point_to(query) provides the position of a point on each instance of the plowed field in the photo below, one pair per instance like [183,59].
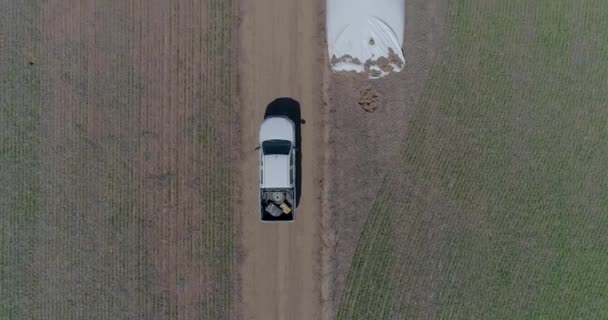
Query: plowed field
[116,159]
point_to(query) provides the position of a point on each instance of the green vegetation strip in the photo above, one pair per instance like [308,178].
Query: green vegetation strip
[499,208]
[19,160]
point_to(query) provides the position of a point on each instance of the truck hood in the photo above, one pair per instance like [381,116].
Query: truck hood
[276,171]
[278,128]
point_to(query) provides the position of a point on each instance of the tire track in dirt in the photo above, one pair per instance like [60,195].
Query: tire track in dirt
[279,53]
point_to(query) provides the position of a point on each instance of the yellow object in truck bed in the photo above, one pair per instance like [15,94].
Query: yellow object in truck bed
[286,208]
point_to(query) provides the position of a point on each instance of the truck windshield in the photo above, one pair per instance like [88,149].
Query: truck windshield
[276,147]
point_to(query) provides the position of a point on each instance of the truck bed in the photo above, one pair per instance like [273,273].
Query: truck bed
[268,197]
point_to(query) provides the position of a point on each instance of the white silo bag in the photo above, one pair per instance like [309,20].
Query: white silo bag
[366,35]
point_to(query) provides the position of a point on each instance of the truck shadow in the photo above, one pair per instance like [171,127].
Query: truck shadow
[290,108]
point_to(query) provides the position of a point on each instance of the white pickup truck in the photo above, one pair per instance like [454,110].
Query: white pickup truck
[277,169]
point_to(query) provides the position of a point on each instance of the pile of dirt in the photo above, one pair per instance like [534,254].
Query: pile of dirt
[369,99]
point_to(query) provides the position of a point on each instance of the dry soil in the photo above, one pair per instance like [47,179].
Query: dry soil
[368,122]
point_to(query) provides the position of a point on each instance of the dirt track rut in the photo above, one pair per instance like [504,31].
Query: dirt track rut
[279,52]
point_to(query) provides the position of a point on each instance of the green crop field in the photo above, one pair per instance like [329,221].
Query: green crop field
[499,210]
[117,131]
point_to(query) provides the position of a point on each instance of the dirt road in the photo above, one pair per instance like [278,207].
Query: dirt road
[280,57]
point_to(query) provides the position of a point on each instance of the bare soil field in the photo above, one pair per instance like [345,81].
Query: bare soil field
[117,144]
[280,57]
[368,121]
